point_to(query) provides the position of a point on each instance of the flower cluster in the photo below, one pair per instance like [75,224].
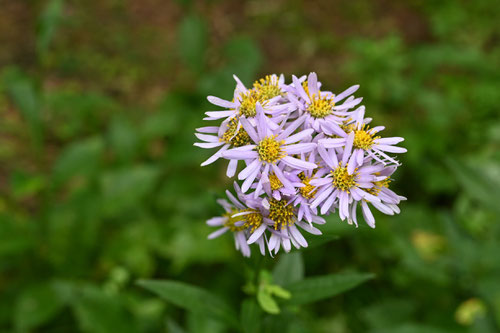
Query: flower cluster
[305,153]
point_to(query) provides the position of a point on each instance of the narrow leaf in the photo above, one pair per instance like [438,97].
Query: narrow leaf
[290,268]
[267,303]
[321,287]
[192,298]
[250,316]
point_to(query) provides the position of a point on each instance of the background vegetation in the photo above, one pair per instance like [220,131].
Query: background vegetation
[100,185]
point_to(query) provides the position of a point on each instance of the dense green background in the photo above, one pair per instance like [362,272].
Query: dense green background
[100,185]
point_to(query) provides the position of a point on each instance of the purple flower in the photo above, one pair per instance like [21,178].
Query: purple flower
[343,185]
[303,148]
[230,134]
[245,101]
[268,149]
[274,188]
[320,107]
[389,200]
[282,215]
[365,142]
[243,217]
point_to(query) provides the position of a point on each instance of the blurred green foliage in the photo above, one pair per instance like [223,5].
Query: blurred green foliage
[100,185]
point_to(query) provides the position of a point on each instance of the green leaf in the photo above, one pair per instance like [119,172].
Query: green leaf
[192,41]
[477,184]
[79,158]
[47,24]
[278,291]
[24,185]
[290,268]
[123,138]
[124,187]
[244,58]
[192,298]
[250,316]
[98,312]
[321,287]
[25,96]
[36,306]
[267,302]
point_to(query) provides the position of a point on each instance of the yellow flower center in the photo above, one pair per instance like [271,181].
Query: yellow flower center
[237,139]
[308,191]
[270,150]
[320,107]
[281,213]
[251,220]
[248,101]
[275,182]
[267,87]
[363,139]
[342,179]
[377,186]
[306,87]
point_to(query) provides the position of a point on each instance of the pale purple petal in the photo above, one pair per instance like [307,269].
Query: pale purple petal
[349,91]
[221,102]
[299,148]
[299,136]
[367,214]
[299,164]
[249,169]
[217,233]
[257,233]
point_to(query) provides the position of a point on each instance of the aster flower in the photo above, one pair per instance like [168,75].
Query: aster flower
[274,188]
[245,100]
[282,216]
[270,147]
[320,107]
[229,134]
[366,142]
[306,192]
[243,217]
[303,148]
[343,184]
[271,86]
[388,199]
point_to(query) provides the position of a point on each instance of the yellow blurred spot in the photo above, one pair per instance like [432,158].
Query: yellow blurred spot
[428,245]
[469,311]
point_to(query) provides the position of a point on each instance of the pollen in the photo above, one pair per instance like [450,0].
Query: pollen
[305,85]
[342,179]
[237,139]
[267,87]
[363,139]
[377,186]
[281,212]
[251,221]
[275,182]
[270,150]
[308,191]
[248,101]
[320,107]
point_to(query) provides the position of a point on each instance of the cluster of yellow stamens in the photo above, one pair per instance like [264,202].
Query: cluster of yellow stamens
[281,212]
[275,182]
[321,106]
[237,139]
[251,220]
[342,179]
[270,150]
[248,101]
[363,139]
[305,85]
[377,186]
[267,87]
[308,191]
